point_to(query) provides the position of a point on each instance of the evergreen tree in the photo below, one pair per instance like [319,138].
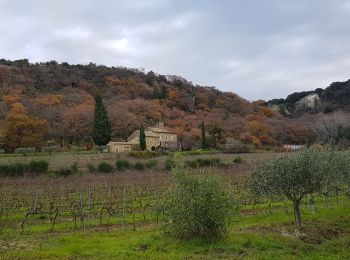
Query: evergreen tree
[142,138]
[102,129]
[204,142]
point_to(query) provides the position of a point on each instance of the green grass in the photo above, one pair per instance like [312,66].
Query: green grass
[253,236]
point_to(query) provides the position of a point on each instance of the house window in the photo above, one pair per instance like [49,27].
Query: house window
[126,148]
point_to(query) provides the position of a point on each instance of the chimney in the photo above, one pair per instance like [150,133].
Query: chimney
[160,124]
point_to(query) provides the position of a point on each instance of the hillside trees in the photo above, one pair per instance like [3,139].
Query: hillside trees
[63,94]
[214,135]
[102,130]
[22,130]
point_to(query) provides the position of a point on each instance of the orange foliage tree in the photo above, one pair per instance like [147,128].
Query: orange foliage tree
[21,130]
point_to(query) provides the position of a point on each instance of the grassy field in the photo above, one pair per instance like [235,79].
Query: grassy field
[260,236]
[116,216]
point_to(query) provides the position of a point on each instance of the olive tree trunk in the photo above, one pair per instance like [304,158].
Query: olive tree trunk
[297,214]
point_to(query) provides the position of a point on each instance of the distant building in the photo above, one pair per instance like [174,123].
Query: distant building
[157,137]
[293,147]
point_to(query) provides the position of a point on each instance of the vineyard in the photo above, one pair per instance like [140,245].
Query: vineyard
[129,200]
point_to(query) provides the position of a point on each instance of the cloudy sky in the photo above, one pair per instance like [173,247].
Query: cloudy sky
[256,48]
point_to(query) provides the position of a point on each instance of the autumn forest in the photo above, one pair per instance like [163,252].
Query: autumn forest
[51,103]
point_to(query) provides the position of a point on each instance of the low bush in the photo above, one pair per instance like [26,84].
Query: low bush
[64,172]
[199,206]
[38,166]
[151,164]
[206,162]
[146,154]
[19,169]
[50,149]
[238,160]
[122,165]
[79,149]
[16,169]
[139,166]
[236,146]
[25,150]
[91,168]
[105,167]
[169,164]
[74,167]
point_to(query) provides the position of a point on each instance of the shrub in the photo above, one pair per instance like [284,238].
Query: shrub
[15,169]
[146,154]
[25,150]
[74,167]
[105,167]
[238,160]
[199,206]
[122,165]
[169,164]
[79,149]
[236,146]
[19,169]
[2,151]
[91,168]
[38,166]
[199,162]
[151,164]
[50,149]
[64,172]
[139,166]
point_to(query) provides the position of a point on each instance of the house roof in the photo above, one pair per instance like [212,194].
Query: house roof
[147,133]
[159,130]
[121,143]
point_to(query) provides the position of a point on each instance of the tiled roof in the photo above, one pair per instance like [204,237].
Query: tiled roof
[158,130]
[147,133]
[121,143]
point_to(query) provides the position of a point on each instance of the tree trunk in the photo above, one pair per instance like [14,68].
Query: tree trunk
[297,215]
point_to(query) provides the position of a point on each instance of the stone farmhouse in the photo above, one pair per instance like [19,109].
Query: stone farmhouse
[157,137]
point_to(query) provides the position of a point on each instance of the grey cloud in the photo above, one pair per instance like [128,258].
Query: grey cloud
[258,49]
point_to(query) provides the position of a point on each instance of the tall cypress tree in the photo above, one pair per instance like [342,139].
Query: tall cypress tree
[102,129]
[142,138]
[204,141]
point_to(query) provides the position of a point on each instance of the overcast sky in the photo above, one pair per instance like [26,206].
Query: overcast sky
[256,48]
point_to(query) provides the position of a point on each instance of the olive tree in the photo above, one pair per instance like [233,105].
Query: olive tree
[296,175]
[341,179]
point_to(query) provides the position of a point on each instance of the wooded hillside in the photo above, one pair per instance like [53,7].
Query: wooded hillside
[61,96]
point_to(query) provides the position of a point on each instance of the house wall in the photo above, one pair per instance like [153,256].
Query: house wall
[152,142]
[167,137]
[119,148]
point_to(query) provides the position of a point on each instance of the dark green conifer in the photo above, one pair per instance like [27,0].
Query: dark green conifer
[102,129]
[142,138]
[204,141]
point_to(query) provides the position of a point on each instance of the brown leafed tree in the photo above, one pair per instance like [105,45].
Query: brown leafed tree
[21,130]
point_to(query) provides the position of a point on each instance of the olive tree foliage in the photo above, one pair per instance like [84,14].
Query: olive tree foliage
[339,181]
[199,206]
[296,175]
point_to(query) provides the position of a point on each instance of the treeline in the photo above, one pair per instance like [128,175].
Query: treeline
[54,103]
[333,98]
